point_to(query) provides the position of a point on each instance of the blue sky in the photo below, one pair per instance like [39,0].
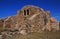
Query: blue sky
[10,7]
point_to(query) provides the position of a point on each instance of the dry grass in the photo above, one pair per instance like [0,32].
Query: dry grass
[35,35]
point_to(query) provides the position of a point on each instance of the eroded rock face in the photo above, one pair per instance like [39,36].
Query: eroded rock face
[47,20]
[10,22]
[31,19]
[54,24]
[2,22]
[31,15]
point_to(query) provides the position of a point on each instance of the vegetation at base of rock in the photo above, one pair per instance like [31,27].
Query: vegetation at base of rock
[36,35]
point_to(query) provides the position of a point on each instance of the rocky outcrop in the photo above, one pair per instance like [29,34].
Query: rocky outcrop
[54,24]
[2,23]
[31,19]
[10,22]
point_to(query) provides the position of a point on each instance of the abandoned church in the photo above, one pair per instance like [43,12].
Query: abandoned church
[30,19]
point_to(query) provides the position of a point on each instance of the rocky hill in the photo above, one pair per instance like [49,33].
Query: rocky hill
[30,19]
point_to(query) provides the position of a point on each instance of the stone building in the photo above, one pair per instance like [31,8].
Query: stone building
[30,19]
[33,18]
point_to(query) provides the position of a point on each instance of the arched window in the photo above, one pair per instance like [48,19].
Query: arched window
[24,12]
[27,12]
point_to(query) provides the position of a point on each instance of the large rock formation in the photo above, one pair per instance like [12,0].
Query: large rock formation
[31,19]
